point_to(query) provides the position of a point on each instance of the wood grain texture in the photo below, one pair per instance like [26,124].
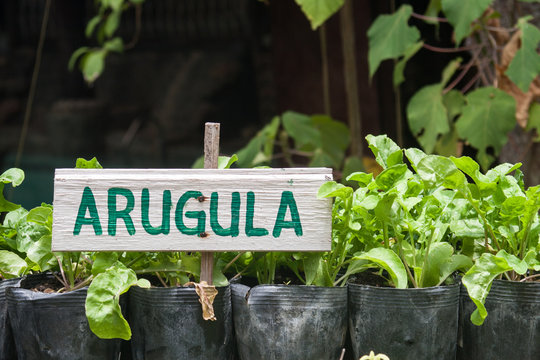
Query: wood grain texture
[266,185]
[211,157]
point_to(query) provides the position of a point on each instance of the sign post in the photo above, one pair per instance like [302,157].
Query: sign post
[211,156]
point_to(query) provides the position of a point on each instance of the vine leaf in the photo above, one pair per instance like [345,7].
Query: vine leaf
[525,65]
[390,36]
[427,116]
[462,13]
[426,111]
[486,120]
[318,11]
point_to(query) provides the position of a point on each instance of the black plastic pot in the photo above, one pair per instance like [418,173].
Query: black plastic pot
[7,345]
[512,327]
[404,323]
[167,323]
[54,326]
[281,322]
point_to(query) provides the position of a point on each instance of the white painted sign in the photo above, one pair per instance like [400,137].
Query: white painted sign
[191,210]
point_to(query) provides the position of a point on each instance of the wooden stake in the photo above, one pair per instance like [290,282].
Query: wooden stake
[211,155]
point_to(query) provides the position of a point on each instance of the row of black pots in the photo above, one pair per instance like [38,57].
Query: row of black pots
[281,322]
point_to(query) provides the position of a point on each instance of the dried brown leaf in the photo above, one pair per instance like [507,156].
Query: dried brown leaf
[523,100]
[510,49]
[207,294]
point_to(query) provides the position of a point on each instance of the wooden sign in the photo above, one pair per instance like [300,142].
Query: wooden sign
[191,210]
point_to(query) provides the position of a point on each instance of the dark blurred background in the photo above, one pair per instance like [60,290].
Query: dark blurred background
[237,62]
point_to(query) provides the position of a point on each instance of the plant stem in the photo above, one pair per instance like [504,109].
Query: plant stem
[424,265]
[83,283]
[450,50]
[429,18]
[161,280]
[33,84]
[530,277]
[65,283]
[233,260]
[133,261]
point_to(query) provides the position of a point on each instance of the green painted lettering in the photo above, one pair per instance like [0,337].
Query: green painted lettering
[250,209]
[115,214]
[165,213]
[87,202]
[287,201]
[179,215]
[235,215]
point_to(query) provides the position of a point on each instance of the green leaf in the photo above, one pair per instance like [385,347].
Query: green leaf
[318,11]
[383,210]
[438,171]
[143,283]
[361,177]
[4,204]
[389,261]
[11,265]
[28,233]
[262,143]
[479,278]
[40,253]
[472,169]
[314,270]
[387,152]
[334,189]
[399,68]
[41,215]
[388,178]
[301,129]
[88,164]
[439,253]
[461,14]
[92,64]
[334,138]
[441,263]
[525,65]
[103,261]
[352,165]
[76,54]
[414,155]
[449,71]
[112,22]
[453,102]
[115,45]
[486,121]
[433,10]
[116,5]
[225,162]
[390,36]
[103,302]
[455,263]
[91,26]
[427,116]
[14,176]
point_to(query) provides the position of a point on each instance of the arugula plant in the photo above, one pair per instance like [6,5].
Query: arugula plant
[400,220]
[507,215]
[26,248]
